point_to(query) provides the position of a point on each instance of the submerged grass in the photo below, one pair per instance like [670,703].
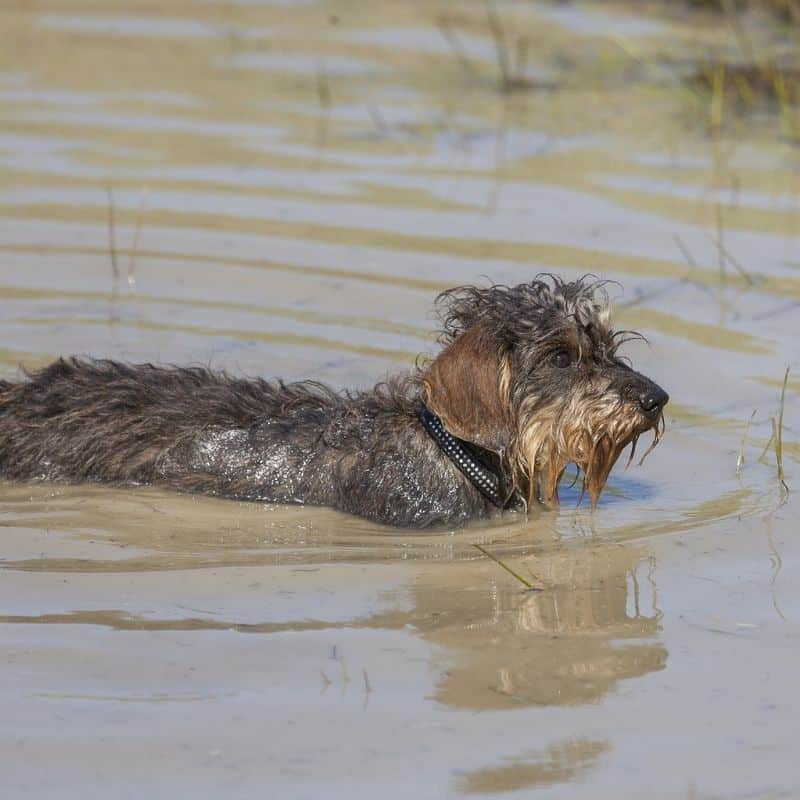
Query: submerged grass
[757,77]
[137,232]
[724,255]
[113,248]
[512,73]
[743,87]
[740,457]
[786,10]
[777,433]
[775,440]
[526,583]
[112,234]
[510,51]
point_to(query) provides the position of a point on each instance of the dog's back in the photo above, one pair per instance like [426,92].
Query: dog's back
[103,420]
[196,430]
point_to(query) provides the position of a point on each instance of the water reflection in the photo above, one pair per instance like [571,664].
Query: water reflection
[595,625]
[500,648]
[117,565]
[559,763]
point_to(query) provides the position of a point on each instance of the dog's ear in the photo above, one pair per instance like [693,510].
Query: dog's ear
[466,387]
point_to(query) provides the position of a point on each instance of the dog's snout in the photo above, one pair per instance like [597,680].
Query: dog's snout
[653,399]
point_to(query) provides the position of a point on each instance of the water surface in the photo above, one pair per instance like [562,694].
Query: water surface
[289,185]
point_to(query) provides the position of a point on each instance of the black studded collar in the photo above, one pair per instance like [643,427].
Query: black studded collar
[463,455]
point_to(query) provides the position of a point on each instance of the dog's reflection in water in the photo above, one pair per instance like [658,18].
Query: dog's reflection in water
[595,623]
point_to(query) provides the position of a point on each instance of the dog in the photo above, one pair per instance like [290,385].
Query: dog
[528,381]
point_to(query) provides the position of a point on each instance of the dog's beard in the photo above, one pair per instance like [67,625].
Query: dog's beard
[593,440]
[606,450]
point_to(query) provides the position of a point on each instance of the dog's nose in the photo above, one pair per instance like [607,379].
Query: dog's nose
[653,399]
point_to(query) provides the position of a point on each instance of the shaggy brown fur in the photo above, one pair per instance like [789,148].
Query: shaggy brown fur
[529,380]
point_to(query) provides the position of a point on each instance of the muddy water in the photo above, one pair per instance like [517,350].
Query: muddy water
[290,184]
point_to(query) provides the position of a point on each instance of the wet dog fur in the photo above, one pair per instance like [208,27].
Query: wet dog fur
[529,377]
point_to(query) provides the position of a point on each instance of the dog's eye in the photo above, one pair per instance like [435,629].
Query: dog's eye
[561,359]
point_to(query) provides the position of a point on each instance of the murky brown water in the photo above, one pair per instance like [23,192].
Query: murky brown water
[292,182]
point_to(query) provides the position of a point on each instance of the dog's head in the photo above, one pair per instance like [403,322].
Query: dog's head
[531,372]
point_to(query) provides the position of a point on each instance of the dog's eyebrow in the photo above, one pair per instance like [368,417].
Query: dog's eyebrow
[553,334]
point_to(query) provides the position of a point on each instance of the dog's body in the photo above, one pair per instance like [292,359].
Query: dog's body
[199,431]
[527,382]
